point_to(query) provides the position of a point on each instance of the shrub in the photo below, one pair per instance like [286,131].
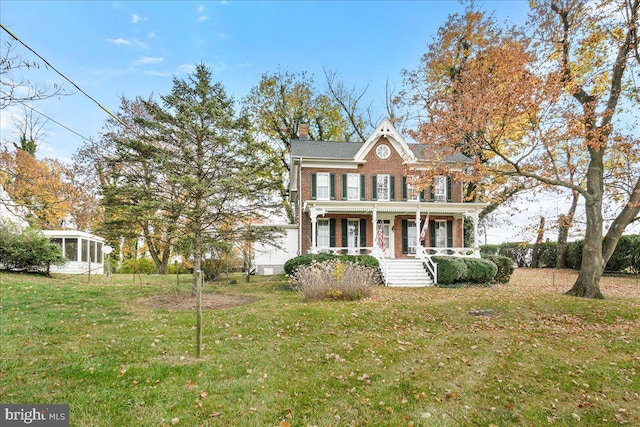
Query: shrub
[293,264]
[504,265]
[27,250]
[489,250]
[334,280]
[519,252]
[138,265]
[480,270]
[623,257]
[548,255]
[573,258]
[450,269]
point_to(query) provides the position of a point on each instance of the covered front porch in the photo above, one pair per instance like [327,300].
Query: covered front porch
[389,230]
[392,231]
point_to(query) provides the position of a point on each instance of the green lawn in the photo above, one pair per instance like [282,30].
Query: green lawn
[406,357]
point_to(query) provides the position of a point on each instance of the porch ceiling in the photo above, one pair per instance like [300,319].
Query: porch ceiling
[398,208]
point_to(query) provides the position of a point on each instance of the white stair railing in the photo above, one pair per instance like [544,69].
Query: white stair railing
[428,263]
[384,267]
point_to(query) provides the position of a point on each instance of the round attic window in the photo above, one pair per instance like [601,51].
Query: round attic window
[383,151]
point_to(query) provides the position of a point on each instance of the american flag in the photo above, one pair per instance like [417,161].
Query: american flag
[381,240]
[423,234]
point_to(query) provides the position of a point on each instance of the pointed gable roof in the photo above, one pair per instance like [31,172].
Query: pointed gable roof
[387,130]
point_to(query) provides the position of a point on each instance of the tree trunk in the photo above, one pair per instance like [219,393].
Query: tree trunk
[563,232]
[535,260]
[588,283]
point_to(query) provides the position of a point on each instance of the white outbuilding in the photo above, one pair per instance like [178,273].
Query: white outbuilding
[84,251]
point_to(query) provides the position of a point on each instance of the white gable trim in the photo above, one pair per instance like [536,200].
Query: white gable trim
[387,130]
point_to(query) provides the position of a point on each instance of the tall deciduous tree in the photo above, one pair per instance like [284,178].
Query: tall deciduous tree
[281,101]
[547,111]
[222,177]
[42,186]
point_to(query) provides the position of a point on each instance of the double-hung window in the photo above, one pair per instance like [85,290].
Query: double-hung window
[322,186]
[353,186]
[440,188]
[383,187]
[413,194]
[353,234]
[323,233]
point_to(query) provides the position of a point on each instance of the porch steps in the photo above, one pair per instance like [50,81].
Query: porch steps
[407,273]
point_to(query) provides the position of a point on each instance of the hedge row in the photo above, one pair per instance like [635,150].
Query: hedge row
[294,263]
[626,257]
[464,270]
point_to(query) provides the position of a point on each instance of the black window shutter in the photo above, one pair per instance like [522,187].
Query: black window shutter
[363,194]
[449,196]
[432,196]
[449,234]
[332,186]
[422,196]
[344,186]
[332,232]
[404,188]
[345,239]
[314,184]
[432,234]
[392,187]
[405,237]
[363,233]
[374,187]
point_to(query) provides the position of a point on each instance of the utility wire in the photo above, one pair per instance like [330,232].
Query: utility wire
[62,75]
[55,121]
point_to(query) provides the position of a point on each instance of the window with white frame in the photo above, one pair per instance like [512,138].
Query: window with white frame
[322,186]
[413,194]
[440,188]
[353,186]
[323,233]
[412,235]
[383,187]
[353,233]
[441,234]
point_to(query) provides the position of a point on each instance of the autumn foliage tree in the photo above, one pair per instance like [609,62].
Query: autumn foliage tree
[544,106]
[43,187]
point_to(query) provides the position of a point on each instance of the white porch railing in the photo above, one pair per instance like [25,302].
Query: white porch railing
[461,252]
[384,267]
[428,263]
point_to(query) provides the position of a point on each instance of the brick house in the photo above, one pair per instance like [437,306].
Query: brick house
[357,198]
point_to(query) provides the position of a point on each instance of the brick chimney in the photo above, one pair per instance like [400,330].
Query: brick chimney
[303,131]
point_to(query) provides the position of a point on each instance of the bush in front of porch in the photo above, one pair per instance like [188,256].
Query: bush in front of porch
[464,270]
[292,265]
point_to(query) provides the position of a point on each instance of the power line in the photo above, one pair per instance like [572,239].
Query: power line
[62,75]
[55,121]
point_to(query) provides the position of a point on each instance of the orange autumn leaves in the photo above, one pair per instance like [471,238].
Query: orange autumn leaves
[45,187]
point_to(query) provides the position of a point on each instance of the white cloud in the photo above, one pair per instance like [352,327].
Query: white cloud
[119,41]
[201,9]
[186,68]
[152,35]
[157,73]
[203,18]
[149,60]
[135,18]
[224,2]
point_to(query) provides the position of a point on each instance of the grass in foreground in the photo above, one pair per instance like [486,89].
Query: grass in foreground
[406,357]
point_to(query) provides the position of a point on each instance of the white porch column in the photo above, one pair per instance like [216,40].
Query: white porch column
[476,246]
[313,214]
[418,229]
[374,222]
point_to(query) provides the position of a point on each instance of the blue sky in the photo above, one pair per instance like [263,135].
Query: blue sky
[133,48]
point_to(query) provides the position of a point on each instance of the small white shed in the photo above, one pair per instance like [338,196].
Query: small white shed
[270,260]
[82,250]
